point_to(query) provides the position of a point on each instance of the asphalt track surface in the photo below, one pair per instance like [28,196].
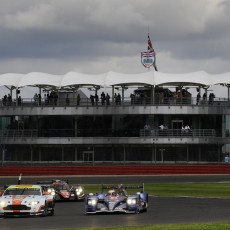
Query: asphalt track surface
[162,210]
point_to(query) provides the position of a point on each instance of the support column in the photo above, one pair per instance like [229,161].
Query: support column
[113,95]
[75,153]
[122,94]
[75,126]
[31,154]
[153,95]
[228,92]
[187,153]
[124,155]
[62,153]
[39,154]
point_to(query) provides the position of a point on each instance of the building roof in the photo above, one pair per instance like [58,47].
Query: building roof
[73,79]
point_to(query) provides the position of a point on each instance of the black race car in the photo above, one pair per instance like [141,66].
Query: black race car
[61,190]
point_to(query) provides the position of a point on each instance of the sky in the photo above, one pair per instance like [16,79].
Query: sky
[97,36]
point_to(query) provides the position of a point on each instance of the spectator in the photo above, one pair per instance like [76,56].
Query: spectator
[92,99]
[211,98]
[161,127]
[46,99]
[115,98]
[132,96]
[19,100]
[147,129]
[9,99]
[55,96]
[4,100]
[165,130]
[107,99]
[226,159]
[204,98]
[198,98]
[67,100]
[78,99]
[102,98]
[187,129]
[39,99]
[96,99]
[182,130]
[36,99]
[119,99]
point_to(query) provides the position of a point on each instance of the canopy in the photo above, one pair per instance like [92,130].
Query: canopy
[109,79]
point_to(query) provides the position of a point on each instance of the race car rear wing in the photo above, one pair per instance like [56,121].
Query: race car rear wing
[45,182]
[51,181]
[121,186]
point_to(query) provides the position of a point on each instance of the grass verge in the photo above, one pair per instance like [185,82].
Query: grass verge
[200,226]
[209,190]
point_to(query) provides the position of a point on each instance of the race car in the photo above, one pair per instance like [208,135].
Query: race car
[117,200]
[62,191]
[26,200]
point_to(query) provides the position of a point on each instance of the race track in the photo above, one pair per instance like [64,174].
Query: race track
[161,211]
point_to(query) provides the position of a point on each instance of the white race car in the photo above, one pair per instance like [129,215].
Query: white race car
[28,200]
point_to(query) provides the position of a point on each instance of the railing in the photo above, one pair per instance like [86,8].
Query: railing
[18,133]
[33,133]
[86,102]
[178,133]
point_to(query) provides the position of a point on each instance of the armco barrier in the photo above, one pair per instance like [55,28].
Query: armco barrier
[113,170]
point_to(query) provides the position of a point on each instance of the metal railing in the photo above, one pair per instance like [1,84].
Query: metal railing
[178,133]
[86,102]
[33,133]
[18,133]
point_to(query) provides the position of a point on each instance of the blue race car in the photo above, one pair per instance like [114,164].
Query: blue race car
[116,200]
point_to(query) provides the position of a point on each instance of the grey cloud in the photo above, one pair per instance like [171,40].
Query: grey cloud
[92,29]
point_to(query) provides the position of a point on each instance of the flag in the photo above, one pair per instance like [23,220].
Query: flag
[150,46]
[150,49]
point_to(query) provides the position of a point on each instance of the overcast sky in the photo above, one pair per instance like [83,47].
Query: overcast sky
[97,36]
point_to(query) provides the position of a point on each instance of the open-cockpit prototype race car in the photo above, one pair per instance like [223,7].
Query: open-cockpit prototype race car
[62,191]
[117,200]
[26,200]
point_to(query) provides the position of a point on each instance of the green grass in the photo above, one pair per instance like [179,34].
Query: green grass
[201,226]
[210,190]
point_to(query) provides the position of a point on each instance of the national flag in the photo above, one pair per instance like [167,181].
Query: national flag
[150,49]
[150,46]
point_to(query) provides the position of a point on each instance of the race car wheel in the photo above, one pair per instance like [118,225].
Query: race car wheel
[45,212]
[52,212]
[137,210]
[51,208]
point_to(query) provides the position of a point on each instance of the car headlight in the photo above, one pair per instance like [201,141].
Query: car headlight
[51,191]
[34,203]
[92,202]
[131,201]
[79,190]
[2,203]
